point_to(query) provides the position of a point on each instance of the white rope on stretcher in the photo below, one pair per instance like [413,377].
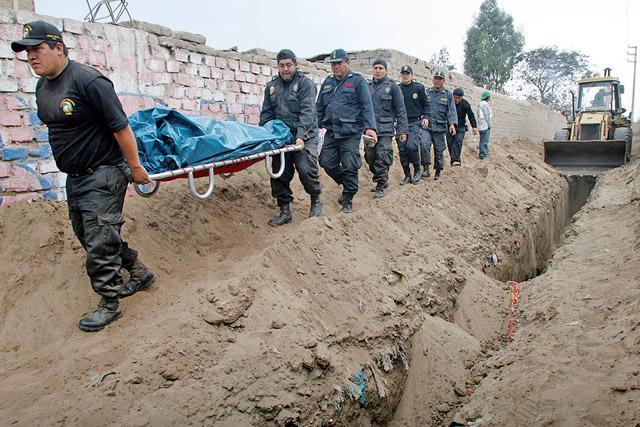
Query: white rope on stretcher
[267,166]
[209,192]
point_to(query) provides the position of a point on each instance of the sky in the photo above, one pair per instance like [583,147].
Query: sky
[603,30]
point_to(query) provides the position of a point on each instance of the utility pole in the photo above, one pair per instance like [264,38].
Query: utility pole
[633,57]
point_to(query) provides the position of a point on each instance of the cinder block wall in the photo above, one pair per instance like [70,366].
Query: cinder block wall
[152,65]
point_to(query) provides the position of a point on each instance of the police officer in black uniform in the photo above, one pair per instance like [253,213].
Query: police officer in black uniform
[455,141]
[89,133]
[291,97]
[417,106]
[388,106]
[345,111]
[443,118]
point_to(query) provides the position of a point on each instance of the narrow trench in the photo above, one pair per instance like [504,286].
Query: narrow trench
[543,242]
[579,190]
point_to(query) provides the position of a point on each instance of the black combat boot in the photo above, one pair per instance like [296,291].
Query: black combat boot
[347,206]
[108,311]
[379,191]
[140,277]
[316,206]
[425,172]
[416,175]
[283,218]
[437,177]
[407,175]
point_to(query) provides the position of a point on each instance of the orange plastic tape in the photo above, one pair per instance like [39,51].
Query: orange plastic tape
[511,323]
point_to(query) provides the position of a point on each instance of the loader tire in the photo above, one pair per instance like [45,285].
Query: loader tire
[561,135]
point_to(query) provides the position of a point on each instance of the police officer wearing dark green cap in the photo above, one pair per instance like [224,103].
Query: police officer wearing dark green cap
[89,133]
[345,111]
[291,97]
[443,118]
[388,105]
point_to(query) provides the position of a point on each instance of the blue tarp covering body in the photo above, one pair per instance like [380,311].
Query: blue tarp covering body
[168,140]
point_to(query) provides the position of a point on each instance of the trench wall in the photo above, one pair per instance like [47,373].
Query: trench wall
[153,65]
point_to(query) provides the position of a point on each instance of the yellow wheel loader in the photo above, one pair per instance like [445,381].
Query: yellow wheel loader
[597,137]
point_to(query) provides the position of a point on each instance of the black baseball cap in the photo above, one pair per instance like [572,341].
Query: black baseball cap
[286,54]
[406,69]
[35,33]
[338,55]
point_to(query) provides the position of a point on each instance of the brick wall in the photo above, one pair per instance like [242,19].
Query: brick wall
[152,65]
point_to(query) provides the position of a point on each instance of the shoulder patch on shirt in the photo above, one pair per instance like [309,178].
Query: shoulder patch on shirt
[66,105]
[272,90]
[327,87]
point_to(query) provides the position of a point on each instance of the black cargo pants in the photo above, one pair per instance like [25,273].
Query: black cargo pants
[95,202]
[380,158]
[306,163]
[340,159]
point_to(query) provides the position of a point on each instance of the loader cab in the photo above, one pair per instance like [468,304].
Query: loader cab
[600,94]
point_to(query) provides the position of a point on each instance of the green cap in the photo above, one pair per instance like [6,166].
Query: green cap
[338,55]
[485,95]
[439,74]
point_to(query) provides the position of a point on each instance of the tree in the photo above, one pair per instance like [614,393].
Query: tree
[492,47]
[443,59]
[546,74]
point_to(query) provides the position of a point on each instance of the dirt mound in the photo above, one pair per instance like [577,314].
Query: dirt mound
[574,359]
[253,325]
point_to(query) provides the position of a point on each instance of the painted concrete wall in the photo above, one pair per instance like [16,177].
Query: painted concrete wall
[153,65]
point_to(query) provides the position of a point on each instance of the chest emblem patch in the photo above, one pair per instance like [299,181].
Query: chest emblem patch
[348,85]
[443,99]
[387,89]
[295,87]
[272,90]
[67,105]
[415,96]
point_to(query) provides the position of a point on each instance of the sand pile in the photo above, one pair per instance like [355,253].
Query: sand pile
[250,325]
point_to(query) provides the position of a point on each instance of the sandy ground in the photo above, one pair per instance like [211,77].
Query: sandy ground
[575,359]
[250,325]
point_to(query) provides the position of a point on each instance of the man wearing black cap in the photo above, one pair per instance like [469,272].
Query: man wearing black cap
[417,106]
[388,106]
[89,133]
[464,110]
[290,96]
[345,111]
[443,118]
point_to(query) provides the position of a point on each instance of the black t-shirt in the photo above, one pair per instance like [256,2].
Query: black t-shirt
[82,111]
[415,100]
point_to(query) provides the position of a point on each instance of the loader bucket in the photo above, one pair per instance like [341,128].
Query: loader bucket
[585,157]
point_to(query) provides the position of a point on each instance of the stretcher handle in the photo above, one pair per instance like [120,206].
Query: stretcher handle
[206,194]
[267,166]
[147,190]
